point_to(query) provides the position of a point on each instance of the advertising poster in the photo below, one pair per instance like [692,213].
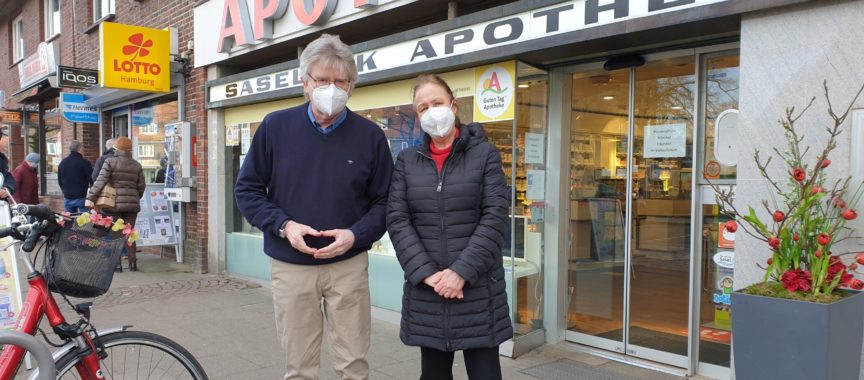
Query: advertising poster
[11,297]
[726,238]
[607,226]
[494,98]
[232,135]
[134,57]
[154,220]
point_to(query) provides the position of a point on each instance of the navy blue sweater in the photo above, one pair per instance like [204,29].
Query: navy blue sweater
[334,181]
[73,176]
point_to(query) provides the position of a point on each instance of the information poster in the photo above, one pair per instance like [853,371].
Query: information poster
[607,227]
[534,151]
[232,135]
[245,138]
[155,221]
[665,141]
[11,297]
[536,184]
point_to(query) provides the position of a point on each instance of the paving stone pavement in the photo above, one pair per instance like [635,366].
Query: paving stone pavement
[228,324]
[161,290]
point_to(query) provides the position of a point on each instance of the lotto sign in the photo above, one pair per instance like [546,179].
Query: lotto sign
[494,99]
[134,58]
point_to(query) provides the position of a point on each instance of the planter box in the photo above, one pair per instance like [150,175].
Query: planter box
[784,339]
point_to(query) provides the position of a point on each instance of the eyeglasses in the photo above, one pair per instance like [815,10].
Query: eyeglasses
[341,83]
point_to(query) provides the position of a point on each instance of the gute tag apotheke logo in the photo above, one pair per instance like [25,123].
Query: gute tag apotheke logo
[76,78]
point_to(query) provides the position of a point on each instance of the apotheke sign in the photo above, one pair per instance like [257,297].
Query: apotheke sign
[564,17]
[228,28]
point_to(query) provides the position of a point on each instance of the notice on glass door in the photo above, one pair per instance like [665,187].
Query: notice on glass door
[535,184]
[534,148]
[665,141]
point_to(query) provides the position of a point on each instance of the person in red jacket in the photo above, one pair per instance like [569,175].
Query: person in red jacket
[27,180]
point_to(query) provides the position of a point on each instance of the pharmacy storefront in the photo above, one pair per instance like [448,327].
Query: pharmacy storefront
[611,118]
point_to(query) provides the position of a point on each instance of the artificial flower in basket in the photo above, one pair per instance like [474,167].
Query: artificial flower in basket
[808,218]
[106,222]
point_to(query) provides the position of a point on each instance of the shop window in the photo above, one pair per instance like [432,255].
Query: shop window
[17,39]
[102,9]
[147,120]
[52,18]
[54,146]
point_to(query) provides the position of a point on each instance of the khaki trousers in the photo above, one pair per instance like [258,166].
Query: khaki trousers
[304,296]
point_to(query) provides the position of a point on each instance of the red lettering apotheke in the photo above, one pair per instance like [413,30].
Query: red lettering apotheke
[241,26]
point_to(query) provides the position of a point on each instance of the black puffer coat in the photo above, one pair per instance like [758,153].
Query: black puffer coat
[454,220]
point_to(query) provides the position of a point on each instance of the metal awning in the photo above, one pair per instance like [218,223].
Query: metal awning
[35,89]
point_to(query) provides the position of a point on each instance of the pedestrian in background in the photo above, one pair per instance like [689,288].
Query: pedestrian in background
[8,188]
[73,176]
[108,153]
[315,182]
[447,218]
[27,180]
[126,176]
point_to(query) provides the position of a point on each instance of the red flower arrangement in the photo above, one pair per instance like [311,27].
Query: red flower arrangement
[810,218]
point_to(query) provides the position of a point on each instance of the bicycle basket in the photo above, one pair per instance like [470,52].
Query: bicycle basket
[81,260]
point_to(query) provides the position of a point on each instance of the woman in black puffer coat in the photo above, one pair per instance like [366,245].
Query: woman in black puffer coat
[447,217]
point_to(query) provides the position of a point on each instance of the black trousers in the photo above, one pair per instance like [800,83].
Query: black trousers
[480,363]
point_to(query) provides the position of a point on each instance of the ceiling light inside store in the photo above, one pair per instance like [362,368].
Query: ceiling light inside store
[677,108]
[608,97]
[523,85]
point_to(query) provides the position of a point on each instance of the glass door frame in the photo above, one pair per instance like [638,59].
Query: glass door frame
[563,91]
[702,197]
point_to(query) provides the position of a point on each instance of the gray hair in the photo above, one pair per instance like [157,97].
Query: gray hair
[329,51]
[75,145]
[109,143]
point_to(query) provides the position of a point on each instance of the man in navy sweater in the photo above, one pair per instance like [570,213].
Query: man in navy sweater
[73,176]
[315,181]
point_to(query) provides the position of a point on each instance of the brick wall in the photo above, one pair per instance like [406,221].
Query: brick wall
[79,47]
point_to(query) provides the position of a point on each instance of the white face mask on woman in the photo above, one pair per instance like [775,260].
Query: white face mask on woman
[438,121]
[330,100]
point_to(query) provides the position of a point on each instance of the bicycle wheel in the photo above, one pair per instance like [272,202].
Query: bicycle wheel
[138,355]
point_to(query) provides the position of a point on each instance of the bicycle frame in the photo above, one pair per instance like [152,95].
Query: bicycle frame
[39,303]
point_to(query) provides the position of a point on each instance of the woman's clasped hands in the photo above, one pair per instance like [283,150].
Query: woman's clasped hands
[447,284]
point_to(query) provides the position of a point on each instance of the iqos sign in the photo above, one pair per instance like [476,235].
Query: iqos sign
[242,25]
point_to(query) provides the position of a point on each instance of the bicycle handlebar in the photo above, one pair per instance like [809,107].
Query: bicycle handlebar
[40,212]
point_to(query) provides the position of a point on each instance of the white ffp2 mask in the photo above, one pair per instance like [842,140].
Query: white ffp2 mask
[438,121]
[329,100]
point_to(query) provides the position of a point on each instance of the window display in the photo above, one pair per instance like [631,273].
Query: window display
[147,120]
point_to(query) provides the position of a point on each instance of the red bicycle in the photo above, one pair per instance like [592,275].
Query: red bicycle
[83,351]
